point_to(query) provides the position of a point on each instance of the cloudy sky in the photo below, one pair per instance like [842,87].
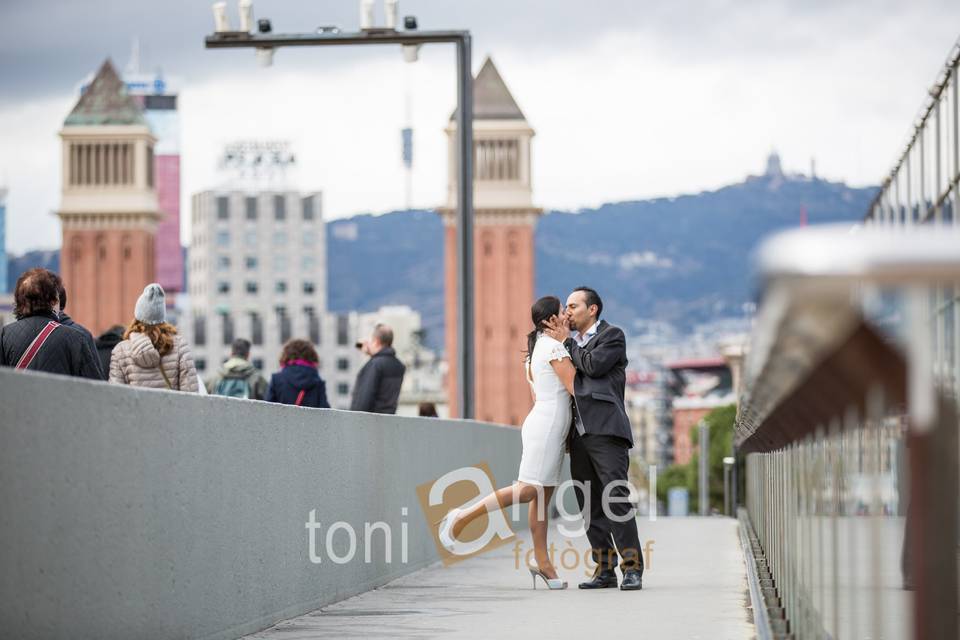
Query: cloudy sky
[630,99]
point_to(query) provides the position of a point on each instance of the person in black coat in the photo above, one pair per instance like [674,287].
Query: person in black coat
[298,382]
[377,389]
[38,337]
[105,344]
[600,439]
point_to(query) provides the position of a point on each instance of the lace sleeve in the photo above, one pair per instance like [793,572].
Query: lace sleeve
[557,351]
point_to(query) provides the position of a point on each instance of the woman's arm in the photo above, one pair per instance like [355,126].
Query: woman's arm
[565,371]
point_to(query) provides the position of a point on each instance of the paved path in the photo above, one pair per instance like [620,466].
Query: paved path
[695,587]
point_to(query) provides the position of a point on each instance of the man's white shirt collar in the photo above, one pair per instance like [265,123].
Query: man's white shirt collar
[582,339]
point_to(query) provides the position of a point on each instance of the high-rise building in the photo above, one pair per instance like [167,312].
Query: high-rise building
[3,240]
[108,208]
[503,251]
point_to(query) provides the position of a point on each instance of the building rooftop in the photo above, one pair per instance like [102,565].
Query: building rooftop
[106,101]
[491,98]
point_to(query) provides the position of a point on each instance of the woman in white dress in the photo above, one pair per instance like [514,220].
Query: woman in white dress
[544,434]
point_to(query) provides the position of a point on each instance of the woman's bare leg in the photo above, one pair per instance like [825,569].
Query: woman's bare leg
[537,518]
[499,499]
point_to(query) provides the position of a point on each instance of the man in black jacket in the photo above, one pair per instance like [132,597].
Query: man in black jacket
[38,337]
[377,388]
[67,321]
[600,439]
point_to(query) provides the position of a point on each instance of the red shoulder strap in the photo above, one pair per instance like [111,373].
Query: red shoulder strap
[300,397]
[34,347]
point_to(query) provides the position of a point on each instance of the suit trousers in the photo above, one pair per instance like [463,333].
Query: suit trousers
[600,460]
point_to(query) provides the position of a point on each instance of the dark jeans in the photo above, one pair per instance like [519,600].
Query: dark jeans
[601,460]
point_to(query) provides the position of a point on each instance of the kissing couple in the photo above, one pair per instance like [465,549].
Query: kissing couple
[576,367]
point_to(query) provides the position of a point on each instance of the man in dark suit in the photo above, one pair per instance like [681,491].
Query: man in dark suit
[600,439]
[377,389]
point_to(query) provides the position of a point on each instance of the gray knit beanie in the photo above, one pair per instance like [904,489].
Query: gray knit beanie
[151,307]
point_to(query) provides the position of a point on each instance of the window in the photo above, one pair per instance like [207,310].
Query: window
[343,335]
[223,287]
[279,238]
[308,208]
[496,160]
[223,238]
[227,321]
[281,286]
[223,208]
[256,329]
[308,263]
[343,389]
[279,263]
[199,331]
[250,208]
[313,326]
[223,263]
[250,238]
[279,208]
[150,167]
[308,287]
[258,364]
[251,262]
[201,364]
[309,238]
[343,364]
[284,322]
[252,287]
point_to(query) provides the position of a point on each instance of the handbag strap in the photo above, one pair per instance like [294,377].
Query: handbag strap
[164,374]
[34,348]
[300,397]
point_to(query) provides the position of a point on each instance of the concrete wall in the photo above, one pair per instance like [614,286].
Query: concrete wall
[135,513]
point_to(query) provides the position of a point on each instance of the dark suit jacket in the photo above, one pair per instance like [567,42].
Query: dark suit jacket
[600,381]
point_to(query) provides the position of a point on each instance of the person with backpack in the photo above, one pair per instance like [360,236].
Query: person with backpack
[152,353]
[298,382]
[238,378]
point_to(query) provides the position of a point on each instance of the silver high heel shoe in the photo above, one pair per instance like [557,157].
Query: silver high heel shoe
[552,583]
[445,530]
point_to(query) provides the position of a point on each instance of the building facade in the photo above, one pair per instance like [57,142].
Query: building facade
[3,240]
[504,220]
[108,209]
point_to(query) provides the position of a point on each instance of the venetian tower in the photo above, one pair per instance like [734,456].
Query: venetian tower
[503,250]
[108,208]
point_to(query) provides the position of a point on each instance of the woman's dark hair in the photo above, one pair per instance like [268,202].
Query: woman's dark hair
[541,311]
[37,290]
[299,349]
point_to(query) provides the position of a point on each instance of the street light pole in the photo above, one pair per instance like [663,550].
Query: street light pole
[267,42]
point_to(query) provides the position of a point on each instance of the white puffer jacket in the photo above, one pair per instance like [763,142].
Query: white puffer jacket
[136,362]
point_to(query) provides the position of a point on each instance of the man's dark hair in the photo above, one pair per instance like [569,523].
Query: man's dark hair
[37,290]
[62,293]
[591,297]
[240,348]
[384,335]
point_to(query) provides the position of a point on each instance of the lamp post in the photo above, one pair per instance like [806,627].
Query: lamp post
[727,467]
[266,42]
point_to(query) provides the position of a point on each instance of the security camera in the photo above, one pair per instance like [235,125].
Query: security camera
[390,13]
[410,23]
[246,15]
[220,20]
[264,26]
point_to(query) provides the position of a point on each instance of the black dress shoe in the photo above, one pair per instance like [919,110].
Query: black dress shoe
[606,579]
[632,580]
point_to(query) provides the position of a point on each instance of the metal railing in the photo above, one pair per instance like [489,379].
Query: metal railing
[850,434]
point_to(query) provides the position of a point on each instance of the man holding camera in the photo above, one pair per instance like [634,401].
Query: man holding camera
[377,388]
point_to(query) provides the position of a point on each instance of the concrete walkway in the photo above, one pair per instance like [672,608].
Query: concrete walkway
[695,587]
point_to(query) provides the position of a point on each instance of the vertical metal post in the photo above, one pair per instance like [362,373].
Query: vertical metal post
[704,467]
[465,300]
[726,490]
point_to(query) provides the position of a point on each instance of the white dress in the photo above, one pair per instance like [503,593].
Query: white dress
[544,431]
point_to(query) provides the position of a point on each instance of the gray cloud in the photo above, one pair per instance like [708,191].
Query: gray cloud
[49,45]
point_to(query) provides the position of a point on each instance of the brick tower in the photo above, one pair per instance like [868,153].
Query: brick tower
[503,251]
[108,207]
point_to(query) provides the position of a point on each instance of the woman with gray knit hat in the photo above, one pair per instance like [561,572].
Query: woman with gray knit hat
[151,353]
